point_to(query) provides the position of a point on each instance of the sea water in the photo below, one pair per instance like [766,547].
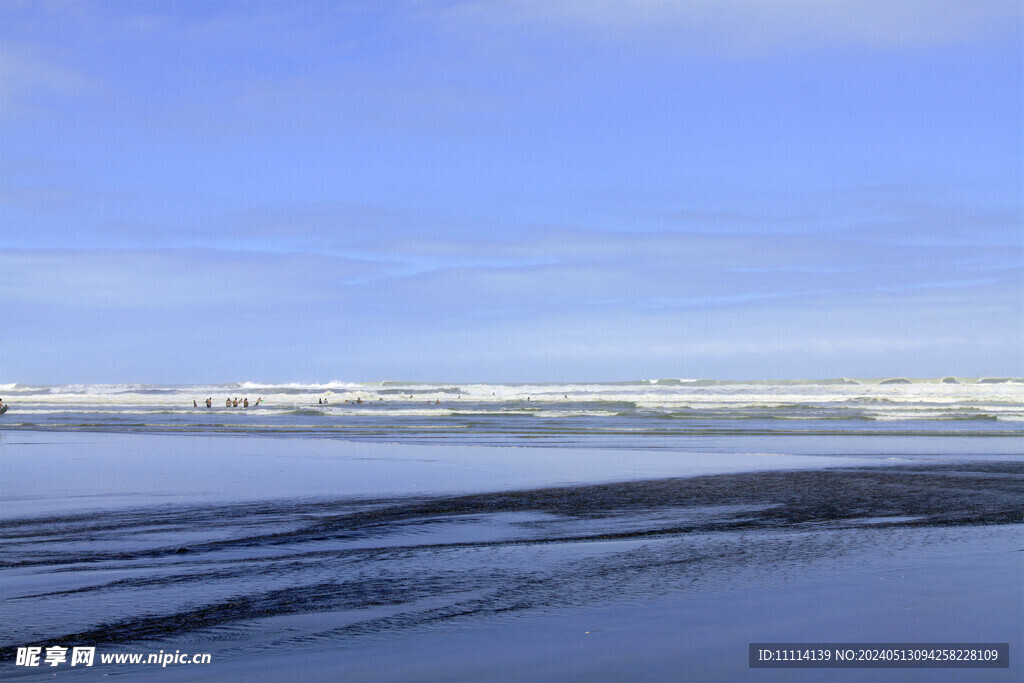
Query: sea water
[634,414]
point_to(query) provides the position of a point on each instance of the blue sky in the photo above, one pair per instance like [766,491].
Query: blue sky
[199,191]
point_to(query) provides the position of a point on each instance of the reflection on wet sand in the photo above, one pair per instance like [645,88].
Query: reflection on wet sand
[265,574]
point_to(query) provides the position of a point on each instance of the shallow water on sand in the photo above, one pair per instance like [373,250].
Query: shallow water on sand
[266,576]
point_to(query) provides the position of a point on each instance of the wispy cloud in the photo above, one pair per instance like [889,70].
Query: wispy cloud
[29,80]
[751,28]
[155,279]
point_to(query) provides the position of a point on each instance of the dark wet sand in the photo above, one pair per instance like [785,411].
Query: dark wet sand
[287,590]
[970,590]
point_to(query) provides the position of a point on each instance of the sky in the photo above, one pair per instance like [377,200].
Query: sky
[510,191]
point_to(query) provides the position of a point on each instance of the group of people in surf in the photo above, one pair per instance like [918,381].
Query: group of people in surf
[231,402]
[357,401]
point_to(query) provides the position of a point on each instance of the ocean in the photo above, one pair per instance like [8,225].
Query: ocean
[631,414]
[641,530]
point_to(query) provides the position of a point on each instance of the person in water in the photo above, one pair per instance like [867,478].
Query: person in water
[194,404]
[245,403]
[209,402]
[227,403]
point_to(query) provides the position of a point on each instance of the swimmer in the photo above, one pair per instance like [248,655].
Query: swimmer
[245,404]
[320,402]
[194,404]
[234,404]
[209,402]
[227,403]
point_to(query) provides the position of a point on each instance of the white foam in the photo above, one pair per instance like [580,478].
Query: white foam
[921,400]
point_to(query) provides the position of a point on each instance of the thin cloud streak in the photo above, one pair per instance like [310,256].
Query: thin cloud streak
[745,28]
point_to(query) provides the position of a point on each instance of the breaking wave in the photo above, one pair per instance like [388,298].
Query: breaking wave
[511,413]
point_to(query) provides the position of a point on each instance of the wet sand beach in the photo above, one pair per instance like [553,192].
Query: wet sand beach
[656,578]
